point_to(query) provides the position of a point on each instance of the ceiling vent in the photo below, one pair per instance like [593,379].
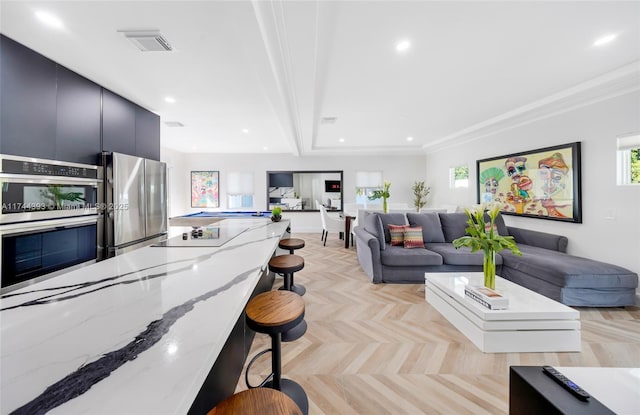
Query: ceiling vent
[148,40]
[328,120]
[173,124]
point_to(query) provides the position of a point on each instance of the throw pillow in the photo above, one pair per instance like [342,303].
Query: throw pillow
[397,234]
[413,237]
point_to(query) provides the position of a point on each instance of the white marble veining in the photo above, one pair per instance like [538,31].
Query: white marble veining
[67,329]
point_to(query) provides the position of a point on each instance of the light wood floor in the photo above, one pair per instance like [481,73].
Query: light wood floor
[381,349]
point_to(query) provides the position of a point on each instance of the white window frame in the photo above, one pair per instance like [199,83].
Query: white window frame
[460,183]
[240,185]
[625,144]
[366,183]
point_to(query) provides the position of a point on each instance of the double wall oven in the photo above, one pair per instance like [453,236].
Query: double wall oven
[49,219]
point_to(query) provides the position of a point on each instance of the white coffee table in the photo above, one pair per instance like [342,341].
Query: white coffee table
[533,322]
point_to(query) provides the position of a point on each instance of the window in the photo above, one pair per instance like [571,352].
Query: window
[366,183]
[459,176]
[629,159]
[240,190]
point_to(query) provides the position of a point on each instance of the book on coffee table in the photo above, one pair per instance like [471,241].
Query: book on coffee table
[487,297]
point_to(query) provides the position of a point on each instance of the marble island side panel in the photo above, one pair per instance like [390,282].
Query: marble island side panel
[137,333]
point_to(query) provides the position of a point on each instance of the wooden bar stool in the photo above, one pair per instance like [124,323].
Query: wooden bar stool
[287,265]
[291,244]
[263,401]
[273,313]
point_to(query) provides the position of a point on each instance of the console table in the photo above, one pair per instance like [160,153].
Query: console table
[533,322]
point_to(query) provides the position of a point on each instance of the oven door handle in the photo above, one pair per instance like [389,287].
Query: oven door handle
[26,178]
[23,227]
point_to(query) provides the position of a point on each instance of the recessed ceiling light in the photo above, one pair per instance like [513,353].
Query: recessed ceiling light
[403,45]
[49,19]
[170,100]
[409,138]
[245,131]
[605,39]
[341,139]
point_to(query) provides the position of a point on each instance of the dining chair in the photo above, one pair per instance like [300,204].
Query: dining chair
[330,224]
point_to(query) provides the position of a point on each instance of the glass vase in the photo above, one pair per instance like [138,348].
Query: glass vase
[489,268]
[384,204]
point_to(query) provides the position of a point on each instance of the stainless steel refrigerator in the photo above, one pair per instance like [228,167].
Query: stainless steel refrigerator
[135,202]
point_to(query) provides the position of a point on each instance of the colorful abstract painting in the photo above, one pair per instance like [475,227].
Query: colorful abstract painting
[205,191]
[543,183]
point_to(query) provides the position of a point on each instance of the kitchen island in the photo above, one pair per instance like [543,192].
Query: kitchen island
[137,334]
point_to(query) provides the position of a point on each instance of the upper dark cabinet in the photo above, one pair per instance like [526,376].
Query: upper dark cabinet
[28,102]
[118,124]
[48,111]
[78,119]
[147,134]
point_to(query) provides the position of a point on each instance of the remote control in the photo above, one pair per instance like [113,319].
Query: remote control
[566,383]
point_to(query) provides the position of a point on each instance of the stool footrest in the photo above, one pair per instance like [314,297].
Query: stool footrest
[246,373]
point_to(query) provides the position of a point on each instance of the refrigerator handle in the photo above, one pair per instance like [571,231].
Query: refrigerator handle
[142,200]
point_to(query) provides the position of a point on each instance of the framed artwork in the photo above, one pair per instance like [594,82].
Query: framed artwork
[205,190]
[542,183]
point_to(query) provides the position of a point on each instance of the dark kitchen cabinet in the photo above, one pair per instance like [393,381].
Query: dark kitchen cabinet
[28,102]
[147,134]
[78,118]
[48,111]
[118,124]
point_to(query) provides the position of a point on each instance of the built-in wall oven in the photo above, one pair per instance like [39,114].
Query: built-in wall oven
[49,219]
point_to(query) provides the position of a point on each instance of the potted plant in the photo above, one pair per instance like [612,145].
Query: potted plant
[483,235]
[276,214]
[384,194]
[420,192]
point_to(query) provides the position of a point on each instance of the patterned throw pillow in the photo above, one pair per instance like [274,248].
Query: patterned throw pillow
[397,234]
[413,237]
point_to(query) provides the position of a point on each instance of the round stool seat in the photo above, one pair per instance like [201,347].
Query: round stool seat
[275,311]
[291,244]
[263,401]
[286,263]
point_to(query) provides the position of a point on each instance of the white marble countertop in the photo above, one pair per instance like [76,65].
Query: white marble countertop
[134,334]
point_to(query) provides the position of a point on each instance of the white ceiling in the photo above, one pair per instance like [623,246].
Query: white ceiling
[276,68]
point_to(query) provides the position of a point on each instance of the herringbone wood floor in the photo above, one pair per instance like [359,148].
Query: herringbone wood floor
[381,349]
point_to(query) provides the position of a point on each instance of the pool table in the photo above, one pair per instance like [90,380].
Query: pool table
[207,218]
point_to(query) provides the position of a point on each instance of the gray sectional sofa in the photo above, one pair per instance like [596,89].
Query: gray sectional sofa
[544,266]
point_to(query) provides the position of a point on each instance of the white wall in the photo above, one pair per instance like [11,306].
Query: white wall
[402,171]
[610,231]
[177,189]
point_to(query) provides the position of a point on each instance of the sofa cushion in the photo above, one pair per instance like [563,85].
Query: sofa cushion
[373,225]
[413,237]
[393,219]
[454,225]
[500,225]
[397,256]
[461,256]
[431,227]
[565,270]
[397,234]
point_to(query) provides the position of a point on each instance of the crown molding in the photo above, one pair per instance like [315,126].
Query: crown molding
[271,20]
[621,81]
